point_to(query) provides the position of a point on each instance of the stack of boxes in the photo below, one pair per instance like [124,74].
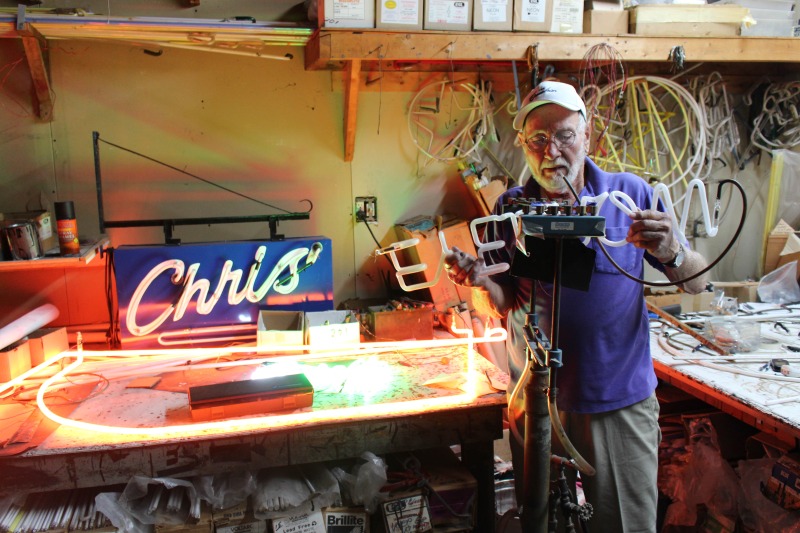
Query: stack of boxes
[557,16]
[773,18]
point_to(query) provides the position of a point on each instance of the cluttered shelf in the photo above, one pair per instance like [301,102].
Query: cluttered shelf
[53,259]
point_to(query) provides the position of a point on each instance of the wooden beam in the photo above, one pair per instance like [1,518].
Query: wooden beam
[330,46]
[351,86]
[33,43]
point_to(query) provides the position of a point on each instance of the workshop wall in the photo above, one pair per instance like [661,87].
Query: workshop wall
[263,128]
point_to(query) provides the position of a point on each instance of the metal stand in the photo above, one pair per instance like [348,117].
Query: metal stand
[540,505]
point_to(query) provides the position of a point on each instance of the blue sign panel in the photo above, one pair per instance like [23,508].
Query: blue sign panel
[198,294]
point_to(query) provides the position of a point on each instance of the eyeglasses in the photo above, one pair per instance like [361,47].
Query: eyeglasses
[539,142]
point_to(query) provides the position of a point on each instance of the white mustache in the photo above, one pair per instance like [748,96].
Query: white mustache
[560,162]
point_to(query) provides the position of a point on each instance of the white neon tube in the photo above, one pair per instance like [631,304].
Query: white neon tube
[243,424]
[27,324]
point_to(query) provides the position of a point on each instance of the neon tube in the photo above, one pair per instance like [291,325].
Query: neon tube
[274,421]
[622,201]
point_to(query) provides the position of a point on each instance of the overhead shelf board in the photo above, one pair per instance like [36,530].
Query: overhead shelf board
[328,48]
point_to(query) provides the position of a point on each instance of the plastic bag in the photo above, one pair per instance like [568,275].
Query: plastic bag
[707,482]
[281,492]
[109,504]
[225,490]
[363,484]
[758,513]
[780,286]
[160,500]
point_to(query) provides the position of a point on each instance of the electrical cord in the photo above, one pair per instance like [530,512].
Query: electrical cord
[704,270]
[361,216]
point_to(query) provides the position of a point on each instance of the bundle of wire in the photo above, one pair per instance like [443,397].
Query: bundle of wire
[660,135]
[602,66]
[777,126]
[722,132]
[446,129]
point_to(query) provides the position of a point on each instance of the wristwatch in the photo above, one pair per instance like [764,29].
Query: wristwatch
[676,261]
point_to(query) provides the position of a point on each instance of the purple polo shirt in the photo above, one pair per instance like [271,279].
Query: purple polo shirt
[604,333]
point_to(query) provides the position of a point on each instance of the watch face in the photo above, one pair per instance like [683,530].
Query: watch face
[678,261]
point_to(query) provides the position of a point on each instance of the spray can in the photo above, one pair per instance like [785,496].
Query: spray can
[67,228]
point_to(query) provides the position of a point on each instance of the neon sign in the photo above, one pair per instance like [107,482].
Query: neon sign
[193,289]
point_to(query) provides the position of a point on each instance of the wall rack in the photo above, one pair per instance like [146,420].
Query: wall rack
[354,51]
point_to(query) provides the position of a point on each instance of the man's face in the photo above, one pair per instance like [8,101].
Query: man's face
[555,141]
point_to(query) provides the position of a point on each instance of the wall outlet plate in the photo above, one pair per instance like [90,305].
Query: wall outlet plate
[369,206]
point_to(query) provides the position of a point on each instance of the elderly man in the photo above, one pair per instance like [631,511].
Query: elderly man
[606,387]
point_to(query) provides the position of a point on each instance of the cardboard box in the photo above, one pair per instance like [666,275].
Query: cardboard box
[46,343]
[404,15]
[44,222]
[14,360]
[448,15]
[493,15]
[444,294]
[238,519]
[533,15]
[399,325]
[783,485]
[331,329]
[567,16]
[790,251]
[405,512]
[775,245]
[349,14]
[693,303]
[281,328]
[743,291]
[605,22]
[456,489]
[713,20]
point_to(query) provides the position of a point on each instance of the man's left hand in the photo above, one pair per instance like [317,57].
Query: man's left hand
[652,230]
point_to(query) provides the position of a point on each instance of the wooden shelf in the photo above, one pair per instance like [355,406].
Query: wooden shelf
[329,48]
[88,252]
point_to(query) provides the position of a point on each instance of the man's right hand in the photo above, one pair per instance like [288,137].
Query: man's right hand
[464,269]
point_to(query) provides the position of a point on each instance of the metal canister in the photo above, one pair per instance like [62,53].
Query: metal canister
[23,240]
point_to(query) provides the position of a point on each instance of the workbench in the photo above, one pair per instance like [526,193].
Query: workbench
[744,388]
[424,415]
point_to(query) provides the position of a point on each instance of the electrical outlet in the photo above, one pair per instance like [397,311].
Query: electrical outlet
[367,205]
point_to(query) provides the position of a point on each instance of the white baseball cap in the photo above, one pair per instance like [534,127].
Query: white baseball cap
[549,92]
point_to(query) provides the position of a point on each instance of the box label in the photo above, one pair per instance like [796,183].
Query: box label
[567,16]
[533,10]
[349,9]
[311,522]
[341,522]
[400,11]
[407,515]
[448,11]
[494,10]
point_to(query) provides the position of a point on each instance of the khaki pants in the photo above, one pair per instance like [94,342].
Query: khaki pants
[622,446]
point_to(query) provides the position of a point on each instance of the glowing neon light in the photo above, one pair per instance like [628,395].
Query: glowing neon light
[621,201]
[413,269]
[483,247]
[263,422]
[228,277]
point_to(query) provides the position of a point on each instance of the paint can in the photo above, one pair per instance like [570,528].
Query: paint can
[67,227]
[23,240]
